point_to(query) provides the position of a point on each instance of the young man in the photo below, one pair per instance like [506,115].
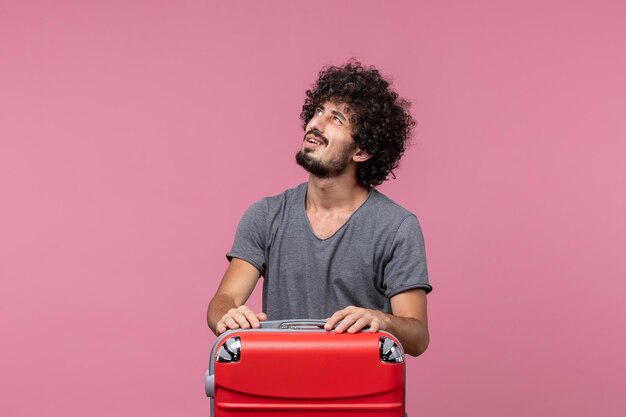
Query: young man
[334,248]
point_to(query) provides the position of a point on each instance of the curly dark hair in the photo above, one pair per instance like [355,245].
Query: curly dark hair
[381,118]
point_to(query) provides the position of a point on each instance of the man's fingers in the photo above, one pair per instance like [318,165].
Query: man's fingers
[374,326]
[240,317]
[231,323]
[250,317]
[353,319]
[332,321]
[232,319]
[242,320]
[359,324]
[336,318]
[348,321]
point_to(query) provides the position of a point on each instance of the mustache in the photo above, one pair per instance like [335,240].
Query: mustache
[317,134]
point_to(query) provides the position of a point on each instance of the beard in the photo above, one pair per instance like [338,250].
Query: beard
[317,168]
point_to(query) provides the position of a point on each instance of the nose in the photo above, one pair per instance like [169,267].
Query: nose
[317,122]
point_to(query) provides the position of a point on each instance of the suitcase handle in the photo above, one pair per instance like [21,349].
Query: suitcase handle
[296,324]
[302,325]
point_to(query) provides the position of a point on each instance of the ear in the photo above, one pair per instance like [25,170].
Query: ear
[361,156]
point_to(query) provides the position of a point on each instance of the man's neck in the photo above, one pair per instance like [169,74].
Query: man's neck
[334,194]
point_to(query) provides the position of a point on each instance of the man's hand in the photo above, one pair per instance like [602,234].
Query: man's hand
[353,319]
[408,321]
[240,317]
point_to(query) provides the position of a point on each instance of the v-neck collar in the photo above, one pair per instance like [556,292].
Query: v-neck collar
[308,221]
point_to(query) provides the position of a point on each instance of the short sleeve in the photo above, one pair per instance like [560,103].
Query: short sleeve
[405,267]
[250,238]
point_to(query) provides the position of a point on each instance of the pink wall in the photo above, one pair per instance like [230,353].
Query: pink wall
[133,134]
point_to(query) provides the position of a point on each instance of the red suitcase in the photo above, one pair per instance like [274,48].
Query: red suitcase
[296,368]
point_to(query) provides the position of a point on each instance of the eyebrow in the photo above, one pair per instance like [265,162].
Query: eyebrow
[339,114]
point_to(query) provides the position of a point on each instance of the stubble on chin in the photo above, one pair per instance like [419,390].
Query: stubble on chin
[318,168]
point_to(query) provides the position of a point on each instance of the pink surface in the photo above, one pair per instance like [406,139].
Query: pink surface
[133,134]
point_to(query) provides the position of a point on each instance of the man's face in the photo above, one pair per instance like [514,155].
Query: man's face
[328,147]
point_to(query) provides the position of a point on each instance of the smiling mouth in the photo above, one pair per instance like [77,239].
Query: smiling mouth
[315,138]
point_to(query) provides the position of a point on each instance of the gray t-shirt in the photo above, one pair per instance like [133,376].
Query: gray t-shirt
[376,254]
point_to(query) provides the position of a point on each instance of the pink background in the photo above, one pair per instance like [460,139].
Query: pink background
[133,135]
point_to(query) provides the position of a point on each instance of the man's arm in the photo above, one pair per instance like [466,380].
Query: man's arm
[226,309]
[409,321]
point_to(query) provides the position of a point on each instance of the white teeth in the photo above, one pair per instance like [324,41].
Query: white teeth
[314,141]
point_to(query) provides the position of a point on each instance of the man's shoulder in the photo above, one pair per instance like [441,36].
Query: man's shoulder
[384,216]
[387,207]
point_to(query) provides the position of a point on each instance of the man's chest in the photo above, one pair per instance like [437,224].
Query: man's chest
[325,225]
[301,240]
